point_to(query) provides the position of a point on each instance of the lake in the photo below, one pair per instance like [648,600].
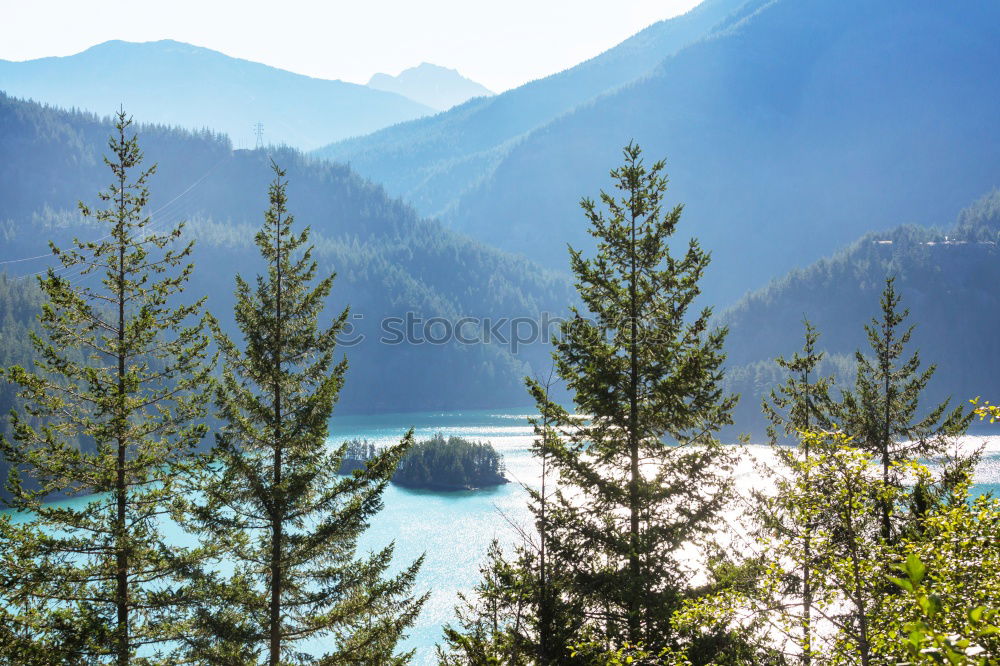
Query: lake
[454,529]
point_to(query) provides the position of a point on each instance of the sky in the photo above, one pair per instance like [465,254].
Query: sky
[494,43]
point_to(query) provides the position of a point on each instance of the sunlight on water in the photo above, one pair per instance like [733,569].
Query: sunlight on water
[454,529]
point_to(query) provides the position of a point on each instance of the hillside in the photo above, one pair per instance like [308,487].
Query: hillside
[789,135]
[389,262]
[431,162]
[790,129]
[178,84]
[947,279]
[432,85]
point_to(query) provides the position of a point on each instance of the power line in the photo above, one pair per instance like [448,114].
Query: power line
[153,224]
[17,261]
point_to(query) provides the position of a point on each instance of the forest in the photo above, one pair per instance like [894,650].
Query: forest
[864,544]
[390,261]
[945,275]
[438,463]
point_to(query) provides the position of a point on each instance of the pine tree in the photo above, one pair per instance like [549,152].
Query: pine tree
[494,623]
[803,401]
[802,404]
[643,474]
[881,414]
[557,620]
[118,422]
[519,612]
[273,500]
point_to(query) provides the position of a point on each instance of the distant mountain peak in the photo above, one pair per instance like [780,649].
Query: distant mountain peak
[432,85]
[179,84]
[161,45]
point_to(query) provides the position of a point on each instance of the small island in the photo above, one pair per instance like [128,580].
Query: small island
[438,463]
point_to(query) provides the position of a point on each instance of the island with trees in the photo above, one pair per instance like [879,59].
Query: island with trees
[438,463]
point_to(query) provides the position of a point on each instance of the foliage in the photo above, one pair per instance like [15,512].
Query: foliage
[273,503]
[438,463]
[391,262]
[20,303]
[985,410]
[800,405]
[519,609]
[114,408]
[926,642]
[642,475]
[493,621]
[834,494]
[637,655]
[952,592]
[450,463]
[881,413]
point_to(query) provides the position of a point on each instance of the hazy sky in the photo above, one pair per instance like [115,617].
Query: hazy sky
[500,44]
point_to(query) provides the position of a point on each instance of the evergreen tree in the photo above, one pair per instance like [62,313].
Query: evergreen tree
[94,582]
[519,613]
[881,414]
[273,500]
[494,622]
[769,609]
[558,615]
[800,405]
[643,474]
[803,401]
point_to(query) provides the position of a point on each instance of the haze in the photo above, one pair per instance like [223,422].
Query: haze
[500,45]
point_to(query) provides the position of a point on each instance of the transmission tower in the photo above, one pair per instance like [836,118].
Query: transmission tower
[258,131]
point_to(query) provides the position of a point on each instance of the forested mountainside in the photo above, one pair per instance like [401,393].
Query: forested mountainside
[20,303]
[790,129]
[431,162]
[389,262]
[178,84]
[948,280]
[787,136]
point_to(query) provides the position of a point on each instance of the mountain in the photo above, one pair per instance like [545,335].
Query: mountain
[178,84]
[947,278]
[432,161]
[407,280]
[432,85]
[791,127]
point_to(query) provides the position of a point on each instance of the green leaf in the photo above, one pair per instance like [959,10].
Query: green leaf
[915,569]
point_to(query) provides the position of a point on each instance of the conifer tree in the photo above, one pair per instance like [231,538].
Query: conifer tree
[643,474]
[882,412]
[557,616]
[803,402]
[273,501]
[519,612]
[798,406]
[494,623]
[94,582]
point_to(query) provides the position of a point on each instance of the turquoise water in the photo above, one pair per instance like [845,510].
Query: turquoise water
[454,529]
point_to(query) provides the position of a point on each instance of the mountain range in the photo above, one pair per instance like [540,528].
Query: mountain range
[790,128]
[178,84]
[800,135]
[433,162]
[947,277]
[389,261]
